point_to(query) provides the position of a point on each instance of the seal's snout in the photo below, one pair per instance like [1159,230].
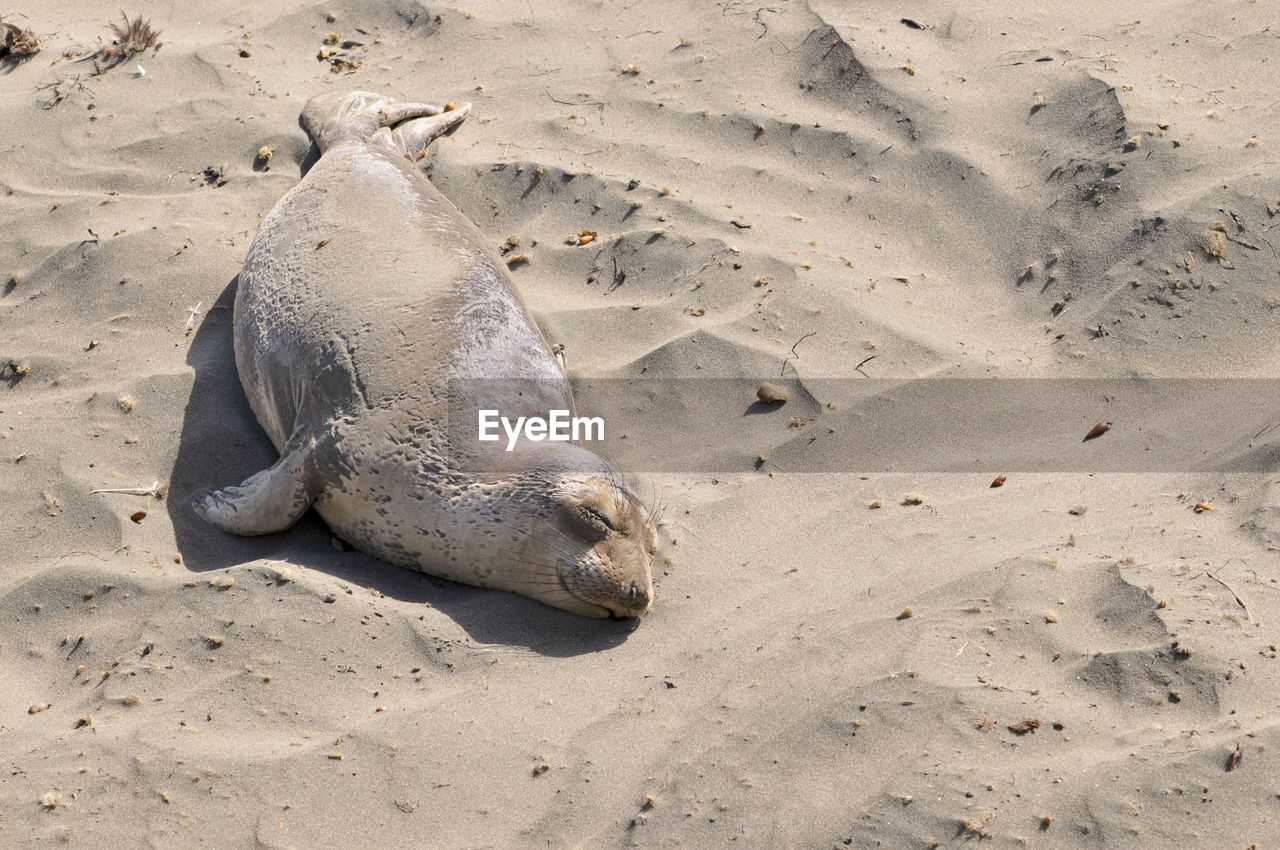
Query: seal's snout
[633,600]
[636,596]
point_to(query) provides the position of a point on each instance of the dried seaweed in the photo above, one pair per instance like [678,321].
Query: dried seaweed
[19,44]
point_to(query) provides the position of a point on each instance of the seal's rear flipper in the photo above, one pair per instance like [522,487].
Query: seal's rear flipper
[331,119]
[270,501]
[412,137]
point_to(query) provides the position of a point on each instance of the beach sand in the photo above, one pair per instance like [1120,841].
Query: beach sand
[982,190]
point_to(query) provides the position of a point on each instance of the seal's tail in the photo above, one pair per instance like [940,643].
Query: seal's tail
[334,119]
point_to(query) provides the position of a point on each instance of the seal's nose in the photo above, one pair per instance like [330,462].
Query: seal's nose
[636,596]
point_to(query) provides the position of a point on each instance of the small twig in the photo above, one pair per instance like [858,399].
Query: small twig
[1266,429]
[62,558]
[583,100]
[858,368]
[1239,601]
[191,318]
[1257,579]
[62,89]
[155,491]
[795,353]
[619,277]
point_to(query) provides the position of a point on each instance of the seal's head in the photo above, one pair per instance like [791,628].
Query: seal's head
[586,541]
[608,541]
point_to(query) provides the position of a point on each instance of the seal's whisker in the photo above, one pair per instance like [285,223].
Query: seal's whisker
[624,493]
[534,582]
[551,543]
[660,508]
[655,508]
[544,596]
[650,502]
[521,560]
[529,534]
[656,517]
[546,566]
[541,571]
[535,587]
[544,572]
[556,550]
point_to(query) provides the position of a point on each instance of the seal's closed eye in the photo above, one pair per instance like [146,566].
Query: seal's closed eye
[593,522]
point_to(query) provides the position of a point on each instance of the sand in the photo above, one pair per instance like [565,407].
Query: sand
[993,190]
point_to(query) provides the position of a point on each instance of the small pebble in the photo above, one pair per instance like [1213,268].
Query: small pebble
[772,393]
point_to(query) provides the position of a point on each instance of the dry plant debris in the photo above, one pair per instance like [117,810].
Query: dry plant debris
[135,36]
[128,39]
[1233,761]
[336,52]
[19,44]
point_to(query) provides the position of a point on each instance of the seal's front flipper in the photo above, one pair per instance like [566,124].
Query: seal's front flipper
[413,136]
[270,501]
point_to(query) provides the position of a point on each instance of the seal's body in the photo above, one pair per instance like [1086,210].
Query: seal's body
[369,311]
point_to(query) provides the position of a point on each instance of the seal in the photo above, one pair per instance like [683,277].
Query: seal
[370,315]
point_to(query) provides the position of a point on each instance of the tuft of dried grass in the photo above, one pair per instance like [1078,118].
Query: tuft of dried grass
[129,38]
[136,36]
